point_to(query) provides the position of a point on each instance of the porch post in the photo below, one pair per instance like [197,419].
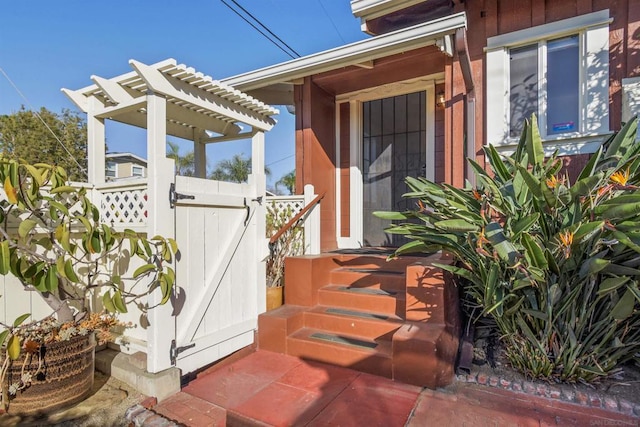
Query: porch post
[95,144]
[312,224]
[199,155]
[259,182]
[160,220]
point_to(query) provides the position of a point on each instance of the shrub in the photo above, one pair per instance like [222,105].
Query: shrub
[290,243]
[555,265]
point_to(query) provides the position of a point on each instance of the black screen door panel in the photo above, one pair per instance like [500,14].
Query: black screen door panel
[394,144]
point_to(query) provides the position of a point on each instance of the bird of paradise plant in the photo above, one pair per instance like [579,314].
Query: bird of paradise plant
[555,264]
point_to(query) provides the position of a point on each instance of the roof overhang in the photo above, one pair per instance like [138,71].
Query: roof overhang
[361,52]
[371,9]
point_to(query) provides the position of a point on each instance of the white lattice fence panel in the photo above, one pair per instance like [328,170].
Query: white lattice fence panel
[125,206]
[290,204]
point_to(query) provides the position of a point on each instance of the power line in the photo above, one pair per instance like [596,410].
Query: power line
[331,20]
[281,160]
[42,120]
[279,46]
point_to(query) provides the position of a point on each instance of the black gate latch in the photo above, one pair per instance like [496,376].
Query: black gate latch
[175,351]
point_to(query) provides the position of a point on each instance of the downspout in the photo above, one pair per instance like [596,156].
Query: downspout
[470,100]
[466,342]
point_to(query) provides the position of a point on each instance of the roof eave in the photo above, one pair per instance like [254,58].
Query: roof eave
[351,54]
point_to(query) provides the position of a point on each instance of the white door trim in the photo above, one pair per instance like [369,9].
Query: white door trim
[355,100]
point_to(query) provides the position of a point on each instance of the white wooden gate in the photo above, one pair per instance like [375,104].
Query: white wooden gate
[219,273]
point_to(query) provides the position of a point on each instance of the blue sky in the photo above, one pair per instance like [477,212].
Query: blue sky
[48,45]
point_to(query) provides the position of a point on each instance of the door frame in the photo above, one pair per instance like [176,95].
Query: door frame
[356,190]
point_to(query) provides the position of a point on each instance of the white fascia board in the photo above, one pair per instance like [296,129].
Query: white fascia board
[376,47]
[371,9]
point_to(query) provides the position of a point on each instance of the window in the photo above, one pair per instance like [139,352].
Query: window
[137,171]
[110,171]
[558,71]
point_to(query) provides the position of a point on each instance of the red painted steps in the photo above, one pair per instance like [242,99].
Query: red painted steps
[394,319]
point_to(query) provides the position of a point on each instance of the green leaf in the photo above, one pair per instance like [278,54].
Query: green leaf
[534,147]
[505,249]
[165,288]
[624,307]
[585,186]
[593,266]
[393,216]
[107,302]
[69,272]
[63,189]
[142,270]
[51,280]
[174,245]
[13,347]
[524,224]
[535,253]
[3,336]
[25,227]
[34,173]
[497,164]
[611,284]
[21,319]
[456,225]
[5,257]
[118,302]
[586,231]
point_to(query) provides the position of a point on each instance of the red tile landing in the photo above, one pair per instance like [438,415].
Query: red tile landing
[270,389]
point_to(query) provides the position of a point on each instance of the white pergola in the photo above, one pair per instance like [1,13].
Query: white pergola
[168,98]
[172,99]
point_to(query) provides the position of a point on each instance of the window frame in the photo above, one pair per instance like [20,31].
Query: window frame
[593,113]
[133,173]
[111,166]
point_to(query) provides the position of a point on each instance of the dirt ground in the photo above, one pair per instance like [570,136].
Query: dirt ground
[105,407]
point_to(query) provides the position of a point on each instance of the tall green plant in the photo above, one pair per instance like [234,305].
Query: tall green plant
[556,265]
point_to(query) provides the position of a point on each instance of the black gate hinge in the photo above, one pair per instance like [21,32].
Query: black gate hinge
[174,197]
[174,351]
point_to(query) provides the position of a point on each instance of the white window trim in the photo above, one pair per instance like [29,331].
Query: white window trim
[137,166]
[115,170]
[355,100]
[593,31]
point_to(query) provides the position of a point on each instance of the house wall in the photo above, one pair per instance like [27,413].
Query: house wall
[495,17]
[315,152]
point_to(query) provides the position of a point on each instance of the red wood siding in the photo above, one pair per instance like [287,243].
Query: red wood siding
[315,153]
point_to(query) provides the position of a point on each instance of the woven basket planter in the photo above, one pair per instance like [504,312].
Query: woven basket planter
[66,378]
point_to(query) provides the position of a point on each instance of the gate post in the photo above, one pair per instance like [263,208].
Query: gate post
[259,182]
[160,220]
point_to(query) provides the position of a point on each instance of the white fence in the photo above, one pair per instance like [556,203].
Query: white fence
[310,225]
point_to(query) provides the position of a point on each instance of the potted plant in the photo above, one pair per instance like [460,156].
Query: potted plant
[53,241]
[290,243]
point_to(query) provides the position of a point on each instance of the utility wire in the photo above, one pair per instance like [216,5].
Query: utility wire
[281,160]
[332,23]
[42,120]
[297,55]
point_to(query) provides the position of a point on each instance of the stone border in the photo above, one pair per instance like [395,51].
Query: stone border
[139,416]
[592,399]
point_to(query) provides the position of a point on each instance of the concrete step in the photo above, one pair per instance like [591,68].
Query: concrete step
[354,352]
[352,322]
[369,278]
[363,299]
[372,261]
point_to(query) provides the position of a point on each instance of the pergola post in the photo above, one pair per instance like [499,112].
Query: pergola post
[160,221]
[95,144]
[199,155]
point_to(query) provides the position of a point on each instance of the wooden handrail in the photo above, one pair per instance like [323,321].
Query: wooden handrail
[296,218]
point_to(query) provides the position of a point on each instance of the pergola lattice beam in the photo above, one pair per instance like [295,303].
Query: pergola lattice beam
[179,89]
[112,90]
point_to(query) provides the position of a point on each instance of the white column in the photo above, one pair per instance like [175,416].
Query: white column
[199,154]
[95,144]
[259,182]
[160,221]
[311,224]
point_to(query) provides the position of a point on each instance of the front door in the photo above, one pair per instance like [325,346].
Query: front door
[393,147]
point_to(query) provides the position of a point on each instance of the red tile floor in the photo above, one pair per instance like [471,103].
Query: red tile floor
[270,389]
